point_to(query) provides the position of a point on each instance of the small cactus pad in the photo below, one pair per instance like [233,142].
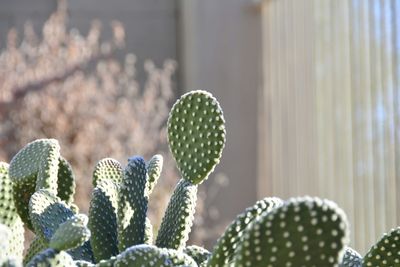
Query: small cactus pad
[52,258]
[132,205]
[178,218]
[386,252]
[351,258]
[224,249]
[47,213]
[199,254]
[103,220]
[302,232]
[107,168]
[34,167]
[34,248]
[71,234]
[196,134]
[66,181]
[154,167]
[151,256]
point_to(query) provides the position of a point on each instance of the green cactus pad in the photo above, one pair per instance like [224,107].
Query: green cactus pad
[52,258]
[107,168]
[351,258]
[148,232]
[34,167]
[71,234]
[47,213]
[132,205]
[34,248]
[302,232]
[103,220]
[386,252]
[152,256]
[224,249]
[5,234]
[9,215]
[199,254]
[196,134]
[66,181]
[178,218]
[154,168]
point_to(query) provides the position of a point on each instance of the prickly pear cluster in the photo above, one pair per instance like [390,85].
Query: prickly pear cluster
[37,190]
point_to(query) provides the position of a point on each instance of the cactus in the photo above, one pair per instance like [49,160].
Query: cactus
[196,135]
[178,219]
[386,252]
[132,204]
[39,184]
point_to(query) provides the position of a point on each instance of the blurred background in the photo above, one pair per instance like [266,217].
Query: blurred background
[310,91]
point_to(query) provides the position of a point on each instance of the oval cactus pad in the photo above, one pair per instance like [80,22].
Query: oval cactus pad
[196,134]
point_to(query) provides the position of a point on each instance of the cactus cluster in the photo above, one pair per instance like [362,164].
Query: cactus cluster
[37,190]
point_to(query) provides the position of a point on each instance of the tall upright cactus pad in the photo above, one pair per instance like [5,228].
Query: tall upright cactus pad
[103,220]
[9,215]
[108,168]
[152,256]
[196,134]
[224,250]
[132,205]
[386,252]
[52,258]
[178,218]
[34,167]
[65,181]
[351,258]
[47,212]
[71,234]
[154,168]
[302,232]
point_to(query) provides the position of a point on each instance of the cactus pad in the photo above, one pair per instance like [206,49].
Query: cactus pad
[34,248]
[65,181]
[178,218]
[351,258]
[302,232]
[196,134]
[103,220]
[132,205]
[52,258]
[34,167]
[71,234]
[107,168]
[386,252]
[148,232]
[151,256]
[225,248]
[154,167]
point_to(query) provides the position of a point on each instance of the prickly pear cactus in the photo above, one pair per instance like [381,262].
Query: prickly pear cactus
[109,169]
[386,251]
[178,218]
[34,248]
[52,258]
[196,134]
[65,181]
[302,232]
[154,167]
[224,250]
[132,204]
[199,254]
[103,219]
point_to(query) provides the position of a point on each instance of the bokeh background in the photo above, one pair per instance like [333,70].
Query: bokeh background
[310,91]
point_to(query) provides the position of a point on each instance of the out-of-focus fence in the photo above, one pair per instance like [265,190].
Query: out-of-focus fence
[331,113]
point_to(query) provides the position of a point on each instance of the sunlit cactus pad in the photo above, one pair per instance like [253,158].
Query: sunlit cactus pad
[386,252]
[52,258]
[108,168]
[302,232]
[196,134]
